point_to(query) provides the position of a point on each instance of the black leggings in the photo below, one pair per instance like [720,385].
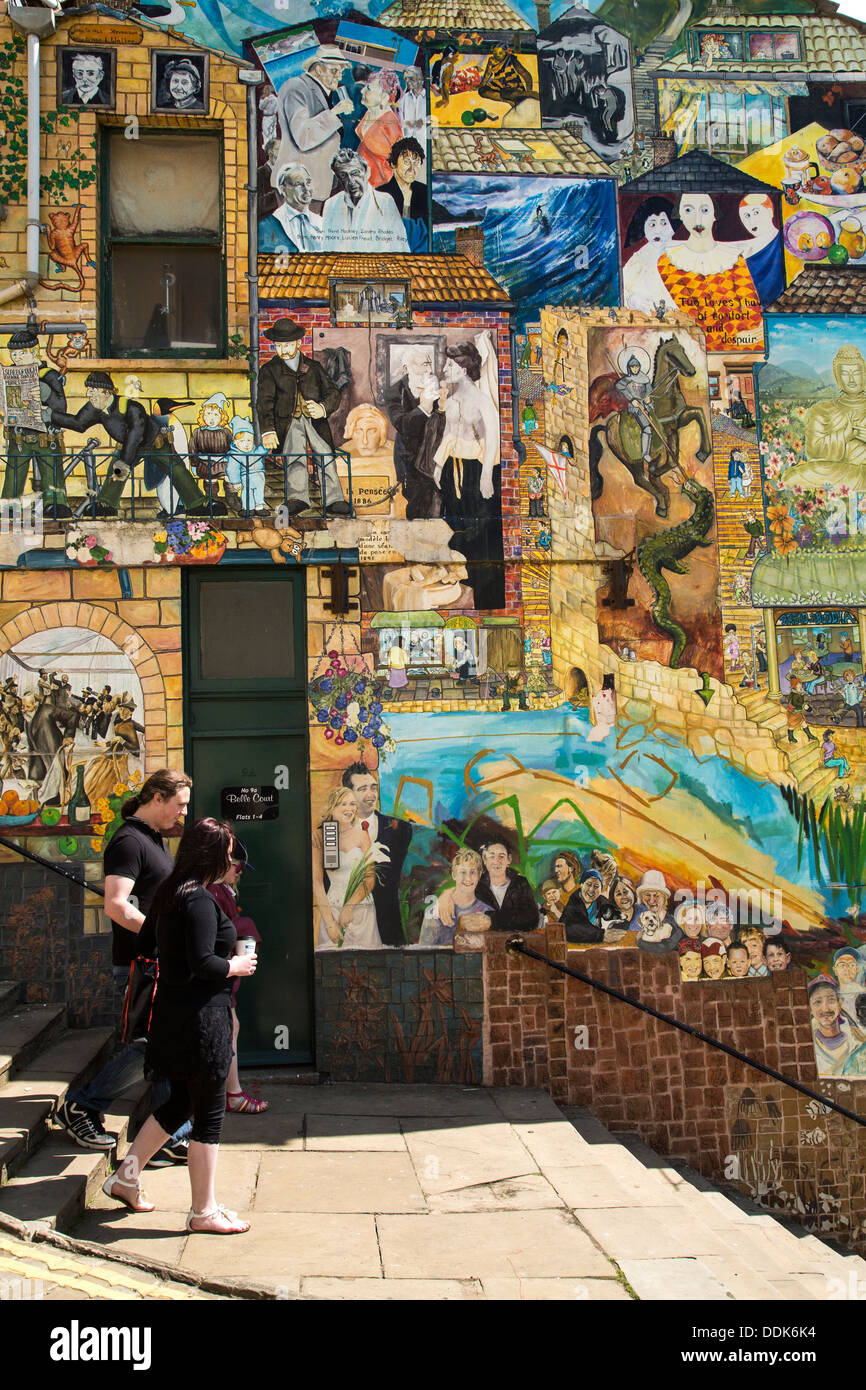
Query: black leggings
[204,1101]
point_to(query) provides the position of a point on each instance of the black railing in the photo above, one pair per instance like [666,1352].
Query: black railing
[518,946]
[46,864]
[303,485]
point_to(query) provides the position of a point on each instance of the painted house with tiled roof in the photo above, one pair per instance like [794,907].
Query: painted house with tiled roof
[736,82]
[484,16]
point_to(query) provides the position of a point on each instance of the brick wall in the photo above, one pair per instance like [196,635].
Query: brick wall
[681,1096]
[408,1016]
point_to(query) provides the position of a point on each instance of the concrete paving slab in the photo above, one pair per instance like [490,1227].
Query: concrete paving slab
[597,1187]
[478,1245]
[532,1193]
[465,1153]
[668,1280]
[649,1233]
[337,1182]
[156,1235]
[525,1106]
[556,1290]
[354,1134]
[281,1246]
[554,1143]
[386,1290]
[280,1127]
[169,1187]
[344,1098]
[742,1281]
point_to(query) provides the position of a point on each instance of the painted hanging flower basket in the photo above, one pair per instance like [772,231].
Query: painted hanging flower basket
[87,551]
[346,705]
[189,543]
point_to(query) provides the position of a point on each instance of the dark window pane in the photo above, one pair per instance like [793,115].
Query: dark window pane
[247,630]
[165,298]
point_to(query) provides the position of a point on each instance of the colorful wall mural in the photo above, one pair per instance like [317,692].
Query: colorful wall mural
[530,352]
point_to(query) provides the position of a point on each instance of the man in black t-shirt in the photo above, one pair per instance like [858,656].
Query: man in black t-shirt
[136,862]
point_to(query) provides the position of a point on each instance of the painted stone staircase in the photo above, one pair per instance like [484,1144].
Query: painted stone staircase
[804,758]
[44,1176]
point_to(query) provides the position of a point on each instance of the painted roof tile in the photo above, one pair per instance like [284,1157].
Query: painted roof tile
[457,151]
[485,15]
[434,279]
[820,289]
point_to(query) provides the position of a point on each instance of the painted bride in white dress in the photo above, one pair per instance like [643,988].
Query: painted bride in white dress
[346,910]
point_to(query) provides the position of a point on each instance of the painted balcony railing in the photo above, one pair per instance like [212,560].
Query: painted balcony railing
[92,484]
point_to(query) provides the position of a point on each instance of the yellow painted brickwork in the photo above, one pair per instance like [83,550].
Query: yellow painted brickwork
[226,113]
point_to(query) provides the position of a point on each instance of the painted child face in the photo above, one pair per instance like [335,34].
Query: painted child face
[738,963]
[465,875]
[755,947]
[496,861]
[244,442]
[551,898]
[211,415]
[777,957]
[691,965]
[714,967]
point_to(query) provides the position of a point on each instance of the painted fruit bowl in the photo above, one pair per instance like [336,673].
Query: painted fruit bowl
[809,235]
[18,820]
[835,200]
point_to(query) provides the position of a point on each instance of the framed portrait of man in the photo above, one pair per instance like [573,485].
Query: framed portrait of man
[179,82]
[86,78]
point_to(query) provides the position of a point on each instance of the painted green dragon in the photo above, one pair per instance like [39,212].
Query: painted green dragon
[667,550]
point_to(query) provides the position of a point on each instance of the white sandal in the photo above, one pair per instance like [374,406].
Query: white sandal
[141,1204]
[239,1226]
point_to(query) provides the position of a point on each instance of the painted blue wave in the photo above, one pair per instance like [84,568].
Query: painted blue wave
[532,246]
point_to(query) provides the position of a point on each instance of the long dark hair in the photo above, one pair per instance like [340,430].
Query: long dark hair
[164,782]
[203,856]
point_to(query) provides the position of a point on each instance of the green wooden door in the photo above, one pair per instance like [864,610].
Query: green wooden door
[246,751]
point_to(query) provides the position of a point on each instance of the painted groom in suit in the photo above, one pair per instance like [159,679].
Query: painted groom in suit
[395,835]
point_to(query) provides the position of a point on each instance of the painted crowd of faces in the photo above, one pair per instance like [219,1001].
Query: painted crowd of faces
[343,134]
[715,257]
[87,79]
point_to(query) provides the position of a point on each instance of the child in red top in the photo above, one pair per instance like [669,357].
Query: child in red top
[223,891]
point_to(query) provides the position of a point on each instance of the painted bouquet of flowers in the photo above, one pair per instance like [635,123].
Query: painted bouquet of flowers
[346,701]
[107,813]
[189,542]
[87,550]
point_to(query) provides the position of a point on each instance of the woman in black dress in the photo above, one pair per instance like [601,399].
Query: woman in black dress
[190,1039]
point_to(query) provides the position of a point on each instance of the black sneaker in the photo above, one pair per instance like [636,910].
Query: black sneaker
[81,1126]
[175,1151]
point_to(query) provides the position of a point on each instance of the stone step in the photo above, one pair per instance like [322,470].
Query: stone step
[10,996]
[723,1240]
[819,782]
[26,1032]
[59,1179]
[27,1103]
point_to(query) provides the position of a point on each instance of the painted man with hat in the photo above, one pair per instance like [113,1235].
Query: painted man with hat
[137,435]
[295,397]
[42,446]
[310,118]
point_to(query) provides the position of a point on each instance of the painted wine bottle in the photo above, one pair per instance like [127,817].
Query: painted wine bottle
[78,811]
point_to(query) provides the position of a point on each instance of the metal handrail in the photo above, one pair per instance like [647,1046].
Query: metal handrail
[46,864]
[518,946]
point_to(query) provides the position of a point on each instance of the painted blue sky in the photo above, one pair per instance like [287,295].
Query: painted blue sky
[796,342]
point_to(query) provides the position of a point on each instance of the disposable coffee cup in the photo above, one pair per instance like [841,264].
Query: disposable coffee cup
[246,945]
